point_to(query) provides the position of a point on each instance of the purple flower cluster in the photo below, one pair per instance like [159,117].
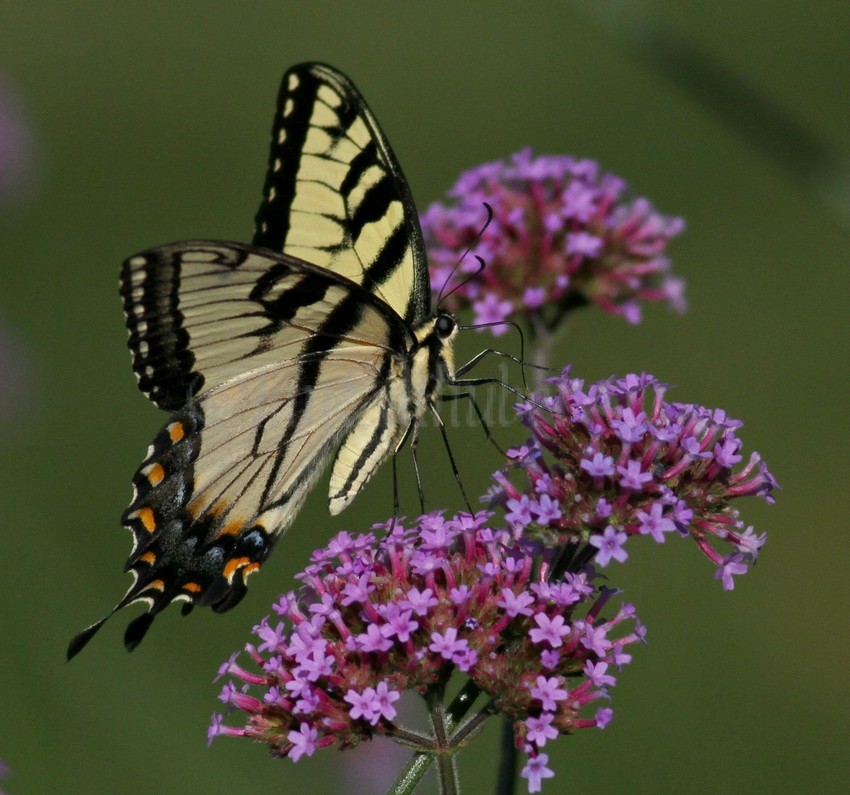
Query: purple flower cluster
[563,234]
[617,460]
[375,618]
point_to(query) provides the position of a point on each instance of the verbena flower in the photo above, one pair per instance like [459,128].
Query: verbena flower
[616,460]
[377,617]
[563,233]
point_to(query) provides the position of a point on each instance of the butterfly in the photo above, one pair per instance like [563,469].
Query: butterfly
[315,343]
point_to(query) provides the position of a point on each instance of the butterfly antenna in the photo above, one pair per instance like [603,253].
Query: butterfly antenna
[473,244]
[468,279]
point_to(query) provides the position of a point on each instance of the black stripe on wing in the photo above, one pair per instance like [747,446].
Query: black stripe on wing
[151,298]
[288,135]
[283,308]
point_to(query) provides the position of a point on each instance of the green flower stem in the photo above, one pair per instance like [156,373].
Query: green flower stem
[506,780]
[419,763]
[411,775]
[542,341]
[446,766]
[466,731]
[413,740]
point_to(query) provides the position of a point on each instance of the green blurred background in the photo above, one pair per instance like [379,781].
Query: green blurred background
[139,124]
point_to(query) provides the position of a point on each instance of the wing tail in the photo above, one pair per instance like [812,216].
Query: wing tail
[81,639]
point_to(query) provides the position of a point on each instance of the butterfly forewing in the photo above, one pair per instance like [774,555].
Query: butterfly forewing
[335,195]
[200,314]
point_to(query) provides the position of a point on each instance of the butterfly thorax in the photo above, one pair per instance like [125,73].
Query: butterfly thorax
[430,363]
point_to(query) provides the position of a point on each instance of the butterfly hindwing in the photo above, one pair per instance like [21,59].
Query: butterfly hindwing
[272,362]
[376,432]
[335,194]
[228,472]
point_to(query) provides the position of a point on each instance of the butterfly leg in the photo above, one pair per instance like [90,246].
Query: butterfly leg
[482,354]
[485,427]
[495,352]
[395,492]
[455,470]
[482,381]
[419,489]
[398,447]
[498,382]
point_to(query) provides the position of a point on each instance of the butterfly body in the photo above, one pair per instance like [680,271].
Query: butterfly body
[316,343]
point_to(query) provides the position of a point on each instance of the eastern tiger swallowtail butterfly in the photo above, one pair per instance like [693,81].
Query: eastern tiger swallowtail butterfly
[315,342]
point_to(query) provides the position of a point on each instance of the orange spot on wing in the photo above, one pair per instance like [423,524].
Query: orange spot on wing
[233,565]
[146,517]
[193,587]
[155,585]
[176,431]
[231,529]
[217,509]
[148,557]
[249,569]
[156,474]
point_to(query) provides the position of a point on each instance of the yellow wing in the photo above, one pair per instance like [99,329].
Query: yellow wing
[335,195]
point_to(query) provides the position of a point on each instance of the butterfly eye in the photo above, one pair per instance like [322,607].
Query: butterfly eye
[445,325]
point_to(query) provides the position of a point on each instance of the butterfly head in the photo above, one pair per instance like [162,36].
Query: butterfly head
[430,360]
